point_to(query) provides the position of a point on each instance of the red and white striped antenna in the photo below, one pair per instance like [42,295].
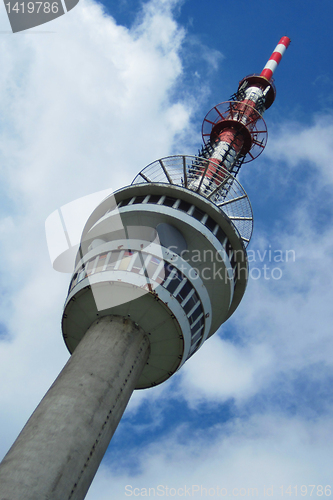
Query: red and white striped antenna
[234,133]
[275,58]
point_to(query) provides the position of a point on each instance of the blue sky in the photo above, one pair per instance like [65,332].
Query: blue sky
[245,34]
[254,406]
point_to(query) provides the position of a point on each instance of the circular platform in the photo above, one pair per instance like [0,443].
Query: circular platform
[238,112]
[224,190]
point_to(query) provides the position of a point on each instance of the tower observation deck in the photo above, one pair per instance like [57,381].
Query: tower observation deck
[161,266]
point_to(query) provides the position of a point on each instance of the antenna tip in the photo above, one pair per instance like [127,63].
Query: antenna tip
[285,40]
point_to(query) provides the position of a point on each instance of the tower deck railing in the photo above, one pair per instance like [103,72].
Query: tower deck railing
[221,188]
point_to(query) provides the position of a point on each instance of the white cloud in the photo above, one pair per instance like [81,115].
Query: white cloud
[93,97]
[222,370]
[259,452]
[296,144]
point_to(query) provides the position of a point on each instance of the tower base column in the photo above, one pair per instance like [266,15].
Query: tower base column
[58,452]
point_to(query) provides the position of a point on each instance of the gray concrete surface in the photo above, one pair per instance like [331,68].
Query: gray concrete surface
[58,452]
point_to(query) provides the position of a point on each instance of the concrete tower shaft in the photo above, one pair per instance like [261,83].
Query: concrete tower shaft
[58,452]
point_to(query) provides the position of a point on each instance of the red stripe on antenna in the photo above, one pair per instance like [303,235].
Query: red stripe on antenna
[285,41]
[275,58]
[267,73]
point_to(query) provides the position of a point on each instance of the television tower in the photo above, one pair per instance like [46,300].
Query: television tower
[161,265]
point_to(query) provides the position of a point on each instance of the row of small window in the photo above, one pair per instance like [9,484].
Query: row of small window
[190,209]
[159,271]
